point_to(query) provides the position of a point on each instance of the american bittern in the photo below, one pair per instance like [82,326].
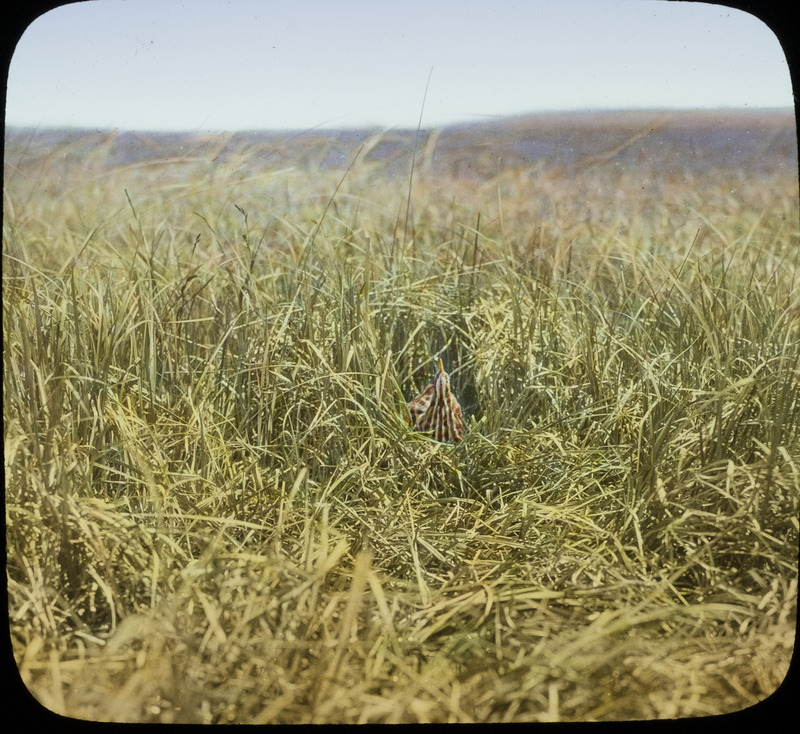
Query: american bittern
[436,409]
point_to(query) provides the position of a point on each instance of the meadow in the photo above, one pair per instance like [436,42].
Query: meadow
[216,511]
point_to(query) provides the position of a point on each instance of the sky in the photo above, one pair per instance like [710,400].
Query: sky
[226,65]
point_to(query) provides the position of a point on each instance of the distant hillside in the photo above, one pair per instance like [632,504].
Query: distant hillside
[685,140]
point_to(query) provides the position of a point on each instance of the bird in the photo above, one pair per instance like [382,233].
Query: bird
[436,410]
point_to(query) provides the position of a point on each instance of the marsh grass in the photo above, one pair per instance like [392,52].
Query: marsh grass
[217,513]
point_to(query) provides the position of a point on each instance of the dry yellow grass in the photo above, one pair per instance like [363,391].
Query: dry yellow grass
[216,513]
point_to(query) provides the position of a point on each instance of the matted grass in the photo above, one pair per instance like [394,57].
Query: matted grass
[216,512]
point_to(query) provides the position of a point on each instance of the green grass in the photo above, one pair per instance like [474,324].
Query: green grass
[216,512]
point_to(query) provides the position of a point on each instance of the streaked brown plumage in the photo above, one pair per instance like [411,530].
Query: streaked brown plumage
[436,410]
